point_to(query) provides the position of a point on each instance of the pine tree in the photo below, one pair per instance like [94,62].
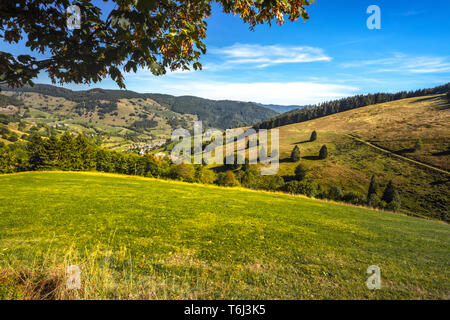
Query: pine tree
[313,136]
[300,172]
[389,191]
[38,153]
[372,187]
[323,153]
[295,154]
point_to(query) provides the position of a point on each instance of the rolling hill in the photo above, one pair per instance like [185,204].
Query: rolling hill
[122,117]
[379,140]
[140,238]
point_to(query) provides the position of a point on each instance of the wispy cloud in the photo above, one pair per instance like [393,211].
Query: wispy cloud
[404,64]
[261,56]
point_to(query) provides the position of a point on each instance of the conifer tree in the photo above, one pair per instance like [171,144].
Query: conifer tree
[372,187]
[388,194]
[295,154]
[300,172]
[323,153]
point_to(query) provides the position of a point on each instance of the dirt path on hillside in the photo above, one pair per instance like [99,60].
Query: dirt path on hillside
[399,156]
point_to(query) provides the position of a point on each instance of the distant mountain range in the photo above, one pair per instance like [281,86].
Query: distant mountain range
[122,117]
[281,108]
[214,113]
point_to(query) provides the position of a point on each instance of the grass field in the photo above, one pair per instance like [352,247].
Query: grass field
[145,238]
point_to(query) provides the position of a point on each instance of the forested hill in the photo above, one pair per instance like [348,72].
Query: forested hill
[344,104]
[220,114]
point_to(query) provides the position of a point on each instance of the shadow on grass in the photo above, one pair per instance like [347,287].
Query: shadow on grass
[442,153]
[438,182]
[287,160]
[301,142]
[405,150]
[311,157]
[427,99]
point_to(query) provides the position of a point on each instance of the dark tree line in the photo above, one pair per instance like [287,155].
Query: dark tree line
[344,104]
[75,153]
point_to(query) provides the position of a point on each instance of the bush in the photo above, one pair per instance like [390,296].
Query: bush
[373,201]
[354,198]
[307,188]
[227,179]
[271,183]
[313,136]
[393,206]
[250,177]
[335,193]
[183,172]
[323,153]
[395,203]
[203,175]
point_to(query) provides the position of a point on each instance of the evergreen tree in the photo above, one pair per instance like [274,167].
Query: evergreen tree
[300,172]
[313,136]
[389,191]
[295,154]
[372,187]
[38,153]
[323,153]
[65,150]
[52,151]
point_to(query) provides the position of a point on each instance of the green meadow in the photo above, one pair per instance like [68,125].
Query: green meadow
[141,238]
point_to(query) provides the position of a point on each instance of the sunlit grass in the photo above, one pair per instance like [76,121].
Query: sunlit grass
[139,238]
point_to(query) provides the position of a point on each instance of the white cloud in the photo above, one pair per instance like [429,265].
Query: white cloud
[404,64]
[266,55]
[284,93]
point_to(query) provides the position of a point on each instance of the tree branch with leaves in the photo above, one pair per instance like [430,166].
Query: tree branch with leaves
[157,35]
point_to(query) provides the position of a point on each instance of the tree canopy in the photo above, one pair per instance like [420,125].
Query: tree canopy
[157,35]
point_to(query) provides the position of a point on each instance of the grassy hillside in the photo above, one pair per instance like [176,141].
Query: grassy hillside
[121,116]
[394,126]
[145,238]
[116,128]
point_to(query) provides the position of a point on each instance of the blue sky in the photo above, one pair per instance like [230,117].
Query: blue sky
[331,55]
